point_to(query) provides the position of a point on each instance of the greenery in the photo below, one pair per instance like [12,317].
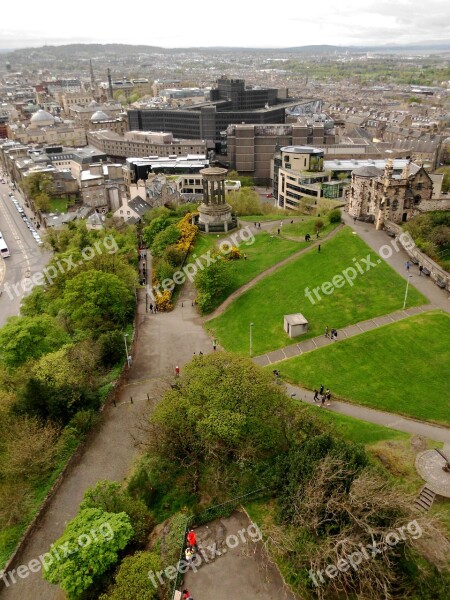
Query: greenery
[374,293]
[431,234]
[132,580]
[58,205]
[76,571]
[426,340]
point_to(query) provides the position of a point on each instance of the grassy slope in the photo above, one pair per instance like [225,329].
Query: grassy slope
[376,292]
[401,368]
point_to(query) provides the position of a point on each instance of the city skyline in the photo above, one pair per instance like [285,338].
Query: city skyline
[234,25]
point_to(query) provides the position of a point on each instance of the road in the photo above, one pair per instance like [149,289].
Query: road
[26,259]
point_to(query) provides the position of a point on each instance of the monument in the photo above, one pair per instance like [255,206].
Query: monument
[214,213]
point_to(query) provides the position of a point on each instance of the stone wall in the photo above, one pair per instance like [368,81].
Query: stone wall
[437,273]
[437,204]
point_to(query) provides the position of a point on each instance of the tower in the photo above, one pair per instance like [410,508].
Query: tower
[214,212]
[110,85]
[91,69]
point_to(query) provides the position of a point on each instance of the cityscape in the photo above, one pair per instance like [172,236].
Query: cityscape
[225,303]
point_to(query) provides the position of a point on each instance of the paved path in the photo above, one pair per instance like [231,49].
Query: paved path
[376,239]
[379,417]
[219,310]
[343,334]
[165,340]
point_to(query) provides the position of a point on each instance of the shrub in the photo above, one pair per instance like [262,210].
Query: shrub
[163,301]
[234,254]
[165,238]
[111,348]
[132,578]
[335,216]
[174,256]
[163,270]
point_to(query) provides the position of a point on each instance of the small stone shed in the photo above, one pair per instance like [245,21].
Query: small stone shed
[295,325]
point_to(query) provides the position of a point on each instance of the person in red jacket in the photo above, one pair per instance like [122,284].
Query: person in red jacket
[192,539]
[187,595]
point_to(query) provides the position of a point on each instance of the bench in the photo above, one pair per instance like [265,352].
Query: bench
[414,260]
[440,283]
[425,271]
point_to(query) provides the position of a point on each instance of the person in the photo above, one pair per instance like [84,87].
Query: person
[326,331]
[201,353]
[328,396]
[322,402]
[317,234]
[318,248]
[420,270]
[245,256]
[335,334]
[189,554]
[192,539]
[316,395]
[214,344]
[292,221]
[254,224]
[187,595]
[321,389]
[354,220]
[278,231]
[177,371]
[281,223]
[408,264]
[259,225]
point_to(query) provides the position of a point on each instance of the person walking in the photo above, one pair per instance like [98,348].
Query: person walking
[322,402]
[214,344]
[321,389]
[192,539]
[328,397]
[189,554]
[316,395]
[408,264]
[187,595]
[177,371]
[151,308]
[420,270]
[318,248]
[326,331]
[278,231]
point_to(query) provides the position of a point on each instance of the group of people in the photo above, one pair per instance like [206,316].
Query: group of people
[153,308]
[332,334]
[191,546]
[322,396]
[257,225]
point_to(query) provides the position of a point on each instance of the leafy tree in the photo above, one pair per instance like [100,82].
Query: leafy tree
[132,579]
[163,270]
[167,237]
[245,202]
[96,300]
[318,224]
[37,184]
[112,349]
[156,226]
[211,282]
[93,539]
[334,216]
[25,338]
[110,497]
[174,256]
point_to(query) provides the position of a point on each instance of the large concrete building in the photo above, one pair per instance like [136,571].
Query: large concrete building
[143,143]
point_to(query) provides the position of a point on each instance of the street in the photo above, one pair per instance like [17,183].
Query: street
[26,257]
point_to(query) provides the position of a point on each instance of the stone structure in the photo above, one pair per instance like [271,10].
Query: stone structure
[379,196]
[295,325]
[214,212]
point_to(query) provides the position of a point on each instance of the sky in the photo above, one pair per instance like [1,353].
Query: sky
[236,23]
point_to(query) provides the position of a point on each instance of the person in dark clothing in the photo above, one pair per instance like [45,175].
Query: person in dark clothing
[316,395]
[321,389]
[420,270]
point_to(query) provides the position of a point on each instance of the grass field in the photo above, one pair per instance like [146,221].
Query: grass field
[58,205]
[300,228]
[264,252]
[402,368]
[375,292]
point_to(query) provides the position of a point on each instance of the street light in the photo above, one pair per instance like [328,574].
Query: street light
[125,335]
[251,329]
[406,291]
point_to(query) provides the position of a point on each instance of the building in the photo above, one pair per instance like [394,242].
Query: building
[100,121]
[131,211]
[379,196]
[143,144]
[82,114]
[250,148]
[44,129]
[230,103]
[102,185]
[139,168]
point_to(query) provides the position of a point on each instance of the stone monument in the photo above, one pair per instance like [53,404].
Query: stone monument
[214,212]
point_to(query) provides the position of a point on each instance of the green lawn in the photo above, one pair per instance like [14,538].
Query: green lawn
[402,368]
[265,251]
[300,228]
[375,292]
[58,205]
[283,214]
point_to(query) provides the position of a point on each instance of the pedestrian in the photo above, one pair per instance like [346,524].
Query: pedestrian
[335,334]
[420,270]
[317,234]
[316,395]
[214,344]
[408,264]
[201,353]
[189,554]
[354,220]
[321,389]
[254,224]
[318,248]
[326,331]
[281,223]
[245,256]
[177,371]
[192,539]
[187,595]
[322,402]
[292,221]
[278,231]
[328,396]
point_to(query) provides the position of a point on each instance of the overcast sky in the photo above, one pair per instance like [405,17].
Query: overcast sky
[244,23]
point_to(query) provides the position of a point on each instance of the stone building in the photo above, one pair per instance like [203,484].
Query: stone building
[380,196]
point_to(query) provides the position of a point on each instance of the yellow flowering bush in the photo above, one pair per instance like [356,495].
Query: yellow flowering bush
[188,232]
[234,253]
[163,301]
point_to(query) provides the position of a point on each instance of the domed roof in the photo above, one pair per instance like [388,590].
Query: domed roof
[93,104]
[99,115]
[42,118]
[367,172]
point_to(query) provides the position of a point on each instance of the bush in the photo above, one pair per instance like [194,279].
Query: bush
[318,224]
[174,256]
[234,254]
[163,301]
[156,226]
[165,238]
[335,216]
[163,270]
[83,421]
[111,348]
[132,578]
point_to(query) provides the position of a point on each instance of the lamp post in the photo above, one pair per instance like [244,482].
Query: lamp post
[251,330]
[406,291]
[125,335]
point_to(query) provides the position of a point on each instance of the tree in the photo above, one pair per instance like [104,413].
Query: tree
[167,237]
[132,578]
[212,282]
[158,224]
[110,497]
[92,540]
[318,224]
[25,338]
[334,216]
[225,409]
[245,202]
[98,301]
